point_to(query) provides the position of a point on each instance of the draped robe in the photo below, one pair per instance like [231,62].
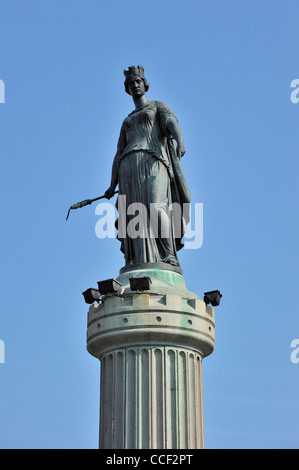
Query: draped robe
[153,201]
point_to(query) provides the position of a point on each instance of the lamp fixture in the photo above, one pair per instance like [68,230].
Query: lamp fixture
[140,283]
[91,295]
[213,297]
[109,286]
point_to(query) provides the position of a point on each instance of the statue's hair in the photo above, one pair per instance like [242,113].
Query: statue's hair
[139,71]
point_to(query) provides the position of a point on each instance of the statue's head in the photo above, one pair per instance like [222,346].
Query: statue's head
[139,72]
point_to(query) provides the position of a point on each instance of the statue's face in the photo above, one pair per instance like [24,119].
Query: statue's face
[136,86]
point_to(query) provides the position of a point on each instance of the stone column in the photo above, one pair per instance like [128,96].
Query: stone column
[151,347]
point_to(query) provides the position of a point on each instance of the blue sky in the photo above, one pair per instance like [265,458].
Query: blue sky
[225,68]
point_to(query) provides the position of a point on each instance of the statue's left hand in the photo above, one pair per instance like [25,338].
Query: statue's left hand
[180,149]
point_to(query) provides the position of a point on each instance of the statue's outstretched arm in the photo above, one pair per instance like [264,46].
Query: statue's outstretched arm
[115,166]
[114,178]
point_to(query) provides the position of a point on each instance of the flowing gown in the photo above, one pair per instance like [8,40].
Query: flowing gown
[152,189]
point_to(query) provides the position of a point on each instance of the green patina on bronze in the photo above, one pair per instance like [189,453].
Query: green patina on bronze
[163,281]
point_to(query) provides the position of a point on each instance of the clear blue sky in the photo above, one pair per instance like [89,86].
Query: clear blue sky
[225,68]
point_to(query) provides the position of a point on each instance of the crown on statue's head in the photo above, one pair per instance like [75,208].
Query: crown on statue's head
[139,70]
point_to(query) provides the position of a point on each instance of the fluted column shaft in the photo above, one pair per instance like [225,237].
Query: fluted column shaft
[151,398]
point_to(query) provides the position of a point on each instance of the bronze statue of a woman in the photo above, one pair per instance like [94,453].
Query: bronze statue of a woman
[147,170]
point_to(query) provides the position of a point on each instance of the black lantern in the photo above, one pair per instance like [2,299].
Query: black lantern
[213,297]
[91,295]
[109,286]
[140,283]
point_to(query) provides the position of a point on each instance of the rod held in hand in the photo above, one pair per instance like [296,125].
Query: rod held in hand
[86,202]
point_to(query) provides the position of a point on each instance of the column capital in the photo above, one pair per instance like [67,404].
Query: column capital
[166,315]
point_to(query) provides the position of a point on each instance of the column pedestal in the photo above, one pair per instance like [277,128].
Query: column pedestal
[151,347]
